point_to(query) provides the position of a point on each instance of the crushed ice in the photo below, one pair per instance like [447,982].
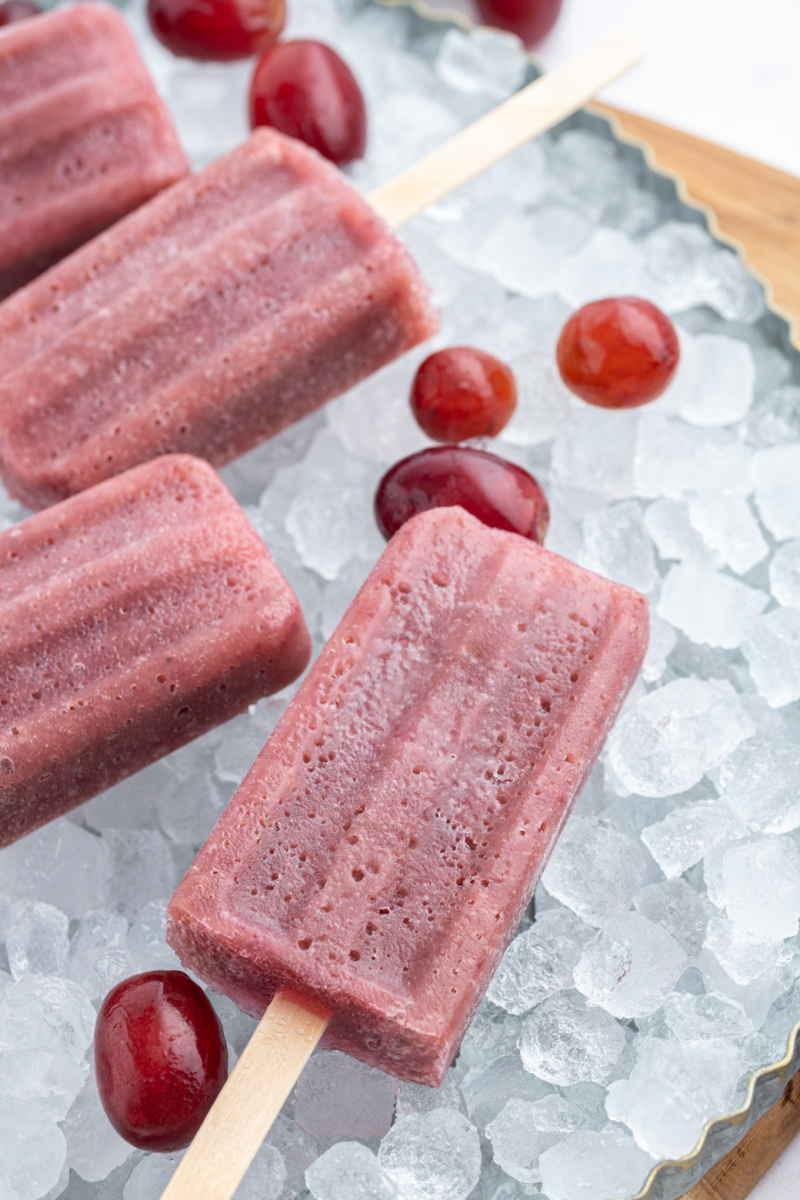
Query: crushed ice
[663,967]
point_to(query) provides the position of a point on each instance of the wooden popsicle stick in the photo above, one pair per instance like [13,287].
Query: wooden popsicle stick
[240,1119]
[529,112]
[229,1138]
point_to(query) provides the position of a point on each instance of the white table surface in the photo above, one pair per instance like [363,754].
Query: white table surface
[726,70]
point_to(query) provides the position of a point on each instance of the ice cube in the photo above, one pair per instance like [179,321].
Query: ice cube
[761,780]
[774,418]
[485,62]
[487,1089]
[49,1014]
[150,1176]
[543,401]
[744,955]
[756,998]
[297,1150]
[667,522]
[589,169]
[594,869]
[729,529]
[49,1081]
[603,1165]
[609,264]
[705,1018]
[416,1098]
[761,887]
[728,377]
[672,459]
[349,1171]
[523,1130]
[493,1033]
[776,475]
[630,966]
[61,865]
[265,1176]
[524,253]
[564,1041]
[36,939]
[662,1118]
[143,868]
[691,270]
[337,1096]
[594,452]
[32,1150]
[663,640]
[540,962]
[147,942]
[665,743]
[94,1148]
[616,545]
[784,574]
[98,932]
[432,1156]
[677,908]
[328,523]
[772,649]
[687,834]
[708,606]
[396,434]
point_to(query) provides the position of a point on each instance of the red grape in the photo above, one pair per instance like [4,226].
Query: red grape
[618,353]
[160,1057]
[305,90]
[529,19]
[463,393]
[497,492]
[17,10]
[216,30]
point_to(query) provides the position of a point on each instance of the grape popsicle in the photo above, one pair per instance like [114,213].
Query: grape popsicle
[132,618]
[378,856]
[85,136]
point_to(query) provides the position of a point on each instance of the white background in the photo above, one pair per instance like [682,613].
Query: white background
[726,70]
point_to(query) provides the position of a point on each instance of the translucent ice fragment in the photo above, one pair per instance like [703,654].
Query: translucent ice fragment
[630,966]
[265,1176]
[662,1118]
[487,1090]
[539,962]
[32,1150]
[784,574]
[416,1098]
[522,1131]
[143,868]
[761,780]
[594,869]
[705,1018]
[772,650]
[147,942]
[337,1096]
[667,522]
[36,939]
[662,642]
[616,544]
[324,522]
[485,62]
[60,864]
[432,1156]
[543,401]
[687,834]
[710,607]
[775,418]
[664,744]
[610,263]
[744,955]
[524,254]
[396,435]
[761,887]
[727,381]
[349,1171]
[298,1151]
[94,1148]
[677,908]
[673,458]
[98,932]
[50,1014]
[150,1176]
[776,475]
[595,452]
[50,1081]
[604,1165]
[729,529]
[565,1041]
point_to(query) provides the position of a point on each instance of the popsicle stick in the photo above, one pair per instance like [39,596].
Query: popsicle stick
[531,111]
[240,1119]
[231,1134]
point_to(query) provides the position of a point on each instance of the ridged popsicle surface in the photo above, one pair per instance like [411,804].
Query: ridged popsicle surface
[381,851]
[132,618]
[225,309]
[85,137]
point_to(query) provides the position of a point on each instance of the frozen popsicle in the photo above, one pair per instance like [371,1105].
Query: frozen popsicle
[228,307]
[132,618]
[85,137]
[380,853]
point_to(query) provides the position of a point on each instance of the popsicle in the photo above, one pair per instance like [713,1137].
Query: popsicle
[236,302]
[85,140]
[132,618]
[378,856]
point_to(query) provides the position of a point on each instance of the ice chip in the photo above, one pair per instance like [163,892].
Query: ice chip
[36,939]
[265,1176]
[564,1041]
[687,834]
[761,887]
[49,1081]
[603,1164]
[609,264]
[776,475]
[32,1150]
[784,574]
[539,962]
[147,942]
[594,869]
[50,1014]
[59,864]
[150,1176]
[744,956]
[667,522]
[94,1148]
[665,743]
[298,1151]
[349,1171]
[729,529]
[589,170]
[662,1118]
[662,642]
[672,459]
[595,448]
[774,418]
[522,1131]
[728,379]
[432,1156]
[486,62]
[772,649]
[337,1096]
[677,908]
[98,932]
[416,1098]
[486,1089]
[705,1018]
[143,868]
[616,544]
[630,966]
[761,780]
[708,606]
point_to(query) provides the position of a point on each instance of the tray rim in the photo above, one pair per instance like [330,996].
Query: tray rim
[779,1070]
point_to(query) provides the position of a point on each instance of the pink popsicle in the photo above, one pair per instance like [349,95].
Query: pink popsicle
[85,137]
[379,854]
[225,309]
[132,618]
